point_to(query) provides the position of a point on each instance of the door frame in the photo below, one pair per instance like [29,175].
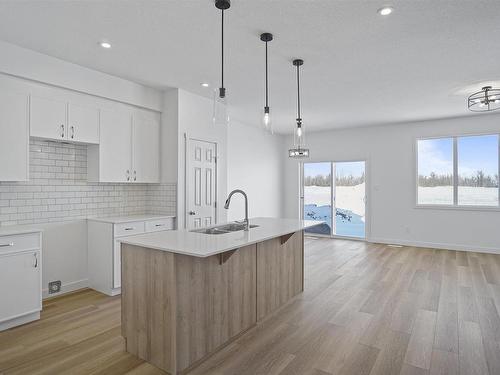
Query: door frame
[333,197]
[187,165]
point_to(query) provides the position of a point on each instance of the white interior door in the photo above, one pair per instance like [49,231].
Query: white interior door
[201,184]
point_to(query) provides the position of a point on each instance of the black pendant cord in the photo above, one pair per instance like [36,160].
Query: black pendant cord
[299,119]
[267,89]
[222,91]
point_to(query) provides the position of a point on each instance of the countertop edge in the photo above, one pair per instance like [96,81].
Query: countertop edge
[130,241]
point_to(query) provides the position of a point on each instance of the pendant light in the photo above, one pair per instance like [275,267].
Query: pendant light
[488,99]
[220,116]
[266,118]
[298,150]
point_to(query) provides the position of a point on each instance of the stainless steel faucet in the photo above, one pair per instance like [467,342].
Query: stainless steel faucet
[228,201]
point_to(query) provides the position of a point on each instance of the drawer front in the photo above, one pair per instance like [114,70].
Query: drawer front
[19,242]
[159,224]
[128,229]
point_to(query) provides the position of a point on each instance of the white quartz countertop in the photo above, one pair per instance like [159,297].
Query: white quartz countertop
[129,218]
[12,230]
[204,245]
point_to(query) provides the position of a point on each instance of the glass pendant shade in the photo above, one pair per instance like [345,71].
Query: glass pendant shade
[220,115]
[299,141]
[267,122]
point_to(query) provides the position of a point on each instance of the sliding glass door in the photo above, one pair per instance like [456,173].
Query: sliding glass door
[318,196]
[335,190]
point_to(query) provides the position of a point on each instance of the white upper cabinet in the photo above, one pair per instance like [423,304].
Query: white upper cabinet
[111,161]
[146,147]
[48,118]
[14,136]
[129,147]
[65,119]
[83,123]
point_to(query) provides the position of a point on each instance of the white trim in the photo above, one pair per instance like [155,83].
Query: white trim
[66,288]
[436,245]
[19,320]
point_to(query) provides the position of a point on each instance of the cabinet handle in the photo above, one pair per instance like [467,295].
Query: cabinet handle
[36,260]
[129,228]
[159,225]
[128,175]
[72,132]
[62,131]
[135,175]
[7,244]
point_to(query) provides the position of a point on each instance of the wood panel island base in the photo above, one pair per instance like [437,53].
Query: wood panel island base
[180,306]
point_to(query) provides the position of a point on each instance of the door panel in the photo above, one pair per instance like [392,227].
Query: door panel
[350,199]
[146,148]
[15,137]
[318,196]
[21,279]
[115,149]
[48,118]
[83,124]
[201,183]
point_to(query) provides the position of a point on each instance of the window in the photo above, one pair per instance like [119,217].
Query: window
[458,171]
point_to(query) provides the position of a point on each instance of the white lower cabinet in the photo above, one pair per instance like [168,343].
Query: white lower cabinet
[104,250]
[20,279]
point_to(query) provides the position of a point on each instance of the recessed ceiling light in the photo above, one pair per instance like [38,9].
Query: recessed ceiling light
[204,84]
[385,11]
[106,45]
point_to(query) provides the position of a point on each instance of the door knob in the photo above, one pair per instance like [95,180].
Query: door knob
[192,213]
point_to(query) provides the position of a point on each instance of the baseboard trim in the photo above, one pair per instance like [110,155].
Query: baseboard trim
[66,288]
[436,245]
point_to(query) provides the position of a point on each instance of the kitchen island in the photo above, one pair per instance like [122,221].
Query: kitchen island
[187,294]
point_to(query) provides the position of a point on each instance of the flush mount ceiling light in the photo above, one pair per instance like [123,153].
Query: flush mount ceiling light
[266,119]
[106,45]
[298,150]
[385,11]
[488,99]
[220,116]
[204,84]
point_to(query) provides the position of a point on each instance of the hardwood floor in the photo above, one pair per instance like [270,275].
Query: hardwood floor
[366,309]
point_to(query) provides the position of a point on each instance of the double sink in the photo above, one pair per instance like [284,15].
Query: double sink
[223,229]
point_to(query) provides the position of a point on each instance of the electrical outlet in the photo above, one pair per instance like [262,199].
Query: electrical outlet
[54,286]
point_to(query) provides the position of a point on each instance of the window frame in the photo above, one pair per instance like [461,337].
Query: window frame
[455,205]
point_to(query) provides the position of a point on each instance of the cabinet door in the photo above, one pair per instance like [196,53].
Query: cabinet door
[146,148]
[48,118]
[20,291]
[83,124]
[115,146]
[14,136]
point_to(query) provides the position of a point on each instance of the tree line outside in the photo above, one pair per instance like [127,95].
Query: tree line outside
[479,179]
[324,180]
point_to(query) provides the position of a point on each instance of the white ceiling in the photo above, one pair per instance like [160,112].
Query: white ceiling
[360,68]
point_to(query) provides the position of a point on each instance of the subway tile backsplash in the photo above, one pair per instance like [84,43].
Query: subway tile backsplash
[58,190]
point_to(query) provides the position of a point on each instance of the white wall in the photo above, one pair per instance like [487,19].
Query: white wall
[255,165]
[391,177]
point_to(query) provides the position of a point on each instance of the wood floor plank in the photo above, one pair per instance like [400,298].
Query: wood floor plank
[419,352]
[472,360]
[444,363]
